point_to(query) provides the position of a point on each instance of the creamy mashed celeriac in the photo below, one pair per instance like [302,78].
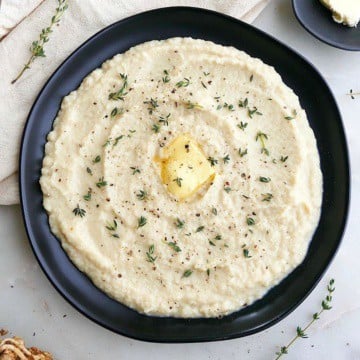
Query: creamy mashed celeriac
[183,178]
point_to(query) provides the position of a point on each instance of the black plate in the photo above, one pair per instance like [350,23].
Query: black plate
[324,118]
[318,21]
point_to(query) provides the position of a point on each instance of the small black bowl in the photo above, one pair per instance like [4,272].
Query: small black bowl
[324,119]
[318,21]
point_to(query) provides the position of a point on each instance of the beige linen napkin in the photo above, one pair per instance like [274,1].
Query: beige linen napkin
[82,19]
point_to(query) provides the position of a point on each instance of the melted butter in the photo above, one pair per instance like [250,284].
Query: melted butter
[184,167]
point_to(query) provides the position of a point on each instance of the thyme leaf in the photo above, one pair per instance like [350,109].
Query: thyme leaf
[175,247]
[142,221]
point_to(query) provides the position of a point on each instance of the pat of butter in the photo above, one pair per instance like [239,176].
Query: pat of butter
[184,167]
[346,12]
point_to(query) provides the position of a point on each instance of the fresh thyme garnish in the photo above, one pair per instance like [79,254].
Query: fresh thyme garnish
[253,111]
[262,137]
[200,228]
[246,253]
[203,85]
[243,103]
[251,77]
[353,94]
[155,128]
[212,161]
[89,171]
[142,221]
[227,189]
[230,107]
[166,78]
[107,142]
[191,105]
[179,223]
[116,111]
[79,212]
[37,47]
[206,73]
[150,253]
[153,104]
[264,179]
[178,181]
[267,197]
[226,159]
[242,153]
[111,226]
[283,158]
[175,247]
[164,119]
[183,83]
[301,332]
[294,113]
[212,243]
[214,211]
[242,125]
[218,237]
[117,139]
[250,221]
[142,195]
[101,182]
[187,273]
[135,170]
[208,272]
[87,197]
[120,94]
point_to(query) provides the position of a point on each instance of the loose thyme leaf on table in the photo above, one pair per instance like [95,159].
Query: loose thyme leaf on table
[301,332]
[352,94]
[37,47]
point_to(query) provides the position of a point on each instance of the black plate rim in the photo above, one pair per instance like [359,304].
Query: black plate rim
[312,32]
[73,302]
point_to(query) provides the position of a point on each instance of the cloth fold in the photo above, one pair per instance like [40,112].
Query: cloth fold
[20,27]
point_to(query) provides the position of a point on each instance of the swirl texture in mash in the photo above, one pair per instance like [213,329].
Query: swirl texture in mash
[238,235]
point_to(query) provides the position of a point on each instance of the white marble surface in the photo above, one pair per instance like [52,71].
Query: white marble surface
[31,307]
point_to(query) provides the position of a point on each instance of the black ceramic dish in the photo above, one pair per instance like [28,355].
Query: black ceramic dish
[317,20]
[324,118]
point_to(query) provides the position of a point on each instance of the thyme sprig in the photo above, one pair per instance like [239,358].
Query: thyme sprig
[190,105]
[178,181]
[120,94]
[242,153]
[142,195]
[152,105]
[111,226]
[301,332]
[242,126]
[175,247]
[37,47]
[179,223]
[142,221]
[166,77]
[212,161]
[292,116]
[150,253]
[260,136]
[183,83]
[78,211]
